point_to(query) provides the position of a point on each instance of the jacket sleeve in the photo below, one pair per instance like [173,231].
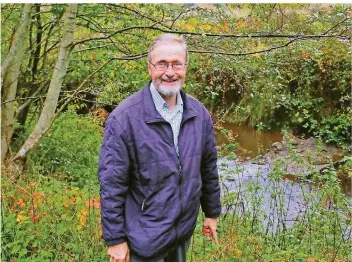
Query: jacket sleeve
[210,199]
[114,180]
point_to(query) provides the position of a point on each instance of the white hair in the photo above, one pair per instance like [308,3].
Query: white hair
[167,38]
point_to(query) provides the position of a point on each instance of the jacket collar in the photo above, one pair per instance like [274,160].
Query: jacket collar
[151,115]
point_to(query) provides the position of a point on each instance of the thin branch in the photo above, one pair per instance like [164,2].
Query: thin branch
[14,6]
[211,34]
[139,56]
[339,23]
[27,103]
[248,35]
[52,47]
[92,48]
[227,111]
[140,14]
[112,34]
[131,57]
[88,27]
[77,90]
[100,30]
[179,15]
[250,53]
[93,22]
[86,100]
[21,98]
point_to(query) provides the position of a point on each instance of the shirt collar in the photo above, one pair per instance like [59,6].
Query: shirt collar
[160,103]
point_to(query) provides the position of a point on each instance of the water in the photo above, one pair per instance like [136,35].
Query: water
[245,171]
[250,173]
[251,142]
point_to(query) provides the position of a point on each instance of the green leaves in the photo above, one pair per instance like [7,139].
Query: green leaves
[72,148]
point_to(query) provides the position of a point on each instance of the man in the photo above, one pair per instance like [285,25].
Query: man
[158,165]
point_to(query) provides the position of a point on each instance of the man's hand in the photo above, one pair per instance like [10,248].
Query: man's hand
[209,229]
[119,253]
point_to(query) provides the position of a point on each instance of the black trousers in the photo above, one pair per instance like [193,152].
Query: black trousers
[177,255]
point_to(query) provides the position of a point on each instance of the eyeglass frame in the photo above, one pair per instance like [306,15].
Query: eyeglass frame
[168,64]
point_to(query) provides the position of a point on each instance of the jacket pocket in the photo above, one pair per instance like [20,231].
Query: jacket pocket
[135,220]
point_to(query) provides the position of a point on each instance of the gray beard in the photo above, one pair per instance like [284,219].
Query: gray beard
[167,93]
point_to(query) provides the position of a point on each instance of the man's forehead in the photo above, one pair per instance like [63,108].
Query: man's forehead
[167,44]
[168,49]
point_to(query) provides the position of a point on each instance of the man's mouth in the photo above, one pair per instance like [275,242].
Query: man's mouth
[169,80]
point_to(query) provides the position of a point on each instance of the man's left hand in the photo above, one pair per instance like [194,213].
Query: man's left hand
[209,229]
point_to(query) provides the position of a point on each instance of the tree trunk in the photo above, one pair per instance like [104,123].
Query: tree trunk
[9,75]
[22,116]
[50,104]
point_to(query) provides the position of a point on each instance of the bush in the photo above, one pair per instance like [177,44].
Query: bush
[70,149]
[49,220]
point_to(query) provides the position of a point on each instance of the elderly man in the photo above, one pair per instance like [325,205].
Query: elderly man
[158,165]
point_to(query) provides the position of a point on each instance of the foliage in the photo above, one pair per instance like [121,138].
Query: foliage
[264,89]
[71,149]
[305,87]
[47,219]
[254,225]
[44,219]
[52,213]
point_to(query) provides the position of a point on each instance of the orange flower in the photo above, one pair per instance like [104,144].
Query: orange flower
[37,197]
[20,203]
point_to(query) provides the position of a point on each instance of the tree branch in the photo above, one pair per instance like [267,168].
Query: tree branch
[92,48]
[112,34]
[180,14]
[78,89]
[139,56]
[140,14]
[211,34]
[250,53]
[339,23]
[21,98]
[131,57]
[25,104]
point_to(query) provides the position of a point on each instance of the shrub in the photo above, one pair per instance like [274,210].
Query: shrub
[70,149]
[49,220]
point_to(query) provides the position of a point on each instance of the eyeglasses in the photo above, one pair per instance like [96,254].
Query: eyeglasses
[163,66]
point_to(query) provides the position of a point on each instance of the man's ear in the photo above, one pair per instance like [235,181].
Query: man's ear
[149,68]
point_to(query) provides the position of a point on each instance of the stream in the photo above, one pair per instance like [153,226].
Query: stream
[252,167]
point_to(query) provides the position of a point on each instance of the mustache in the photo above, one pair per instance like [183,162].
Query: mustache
[165,78]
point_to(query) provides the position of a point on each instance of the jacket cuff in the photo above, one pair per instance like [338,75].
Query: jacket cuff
[212,215]
[115,241]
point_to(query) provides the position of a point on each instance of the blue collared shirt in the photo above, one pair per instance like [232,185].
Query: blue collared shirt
[173,117]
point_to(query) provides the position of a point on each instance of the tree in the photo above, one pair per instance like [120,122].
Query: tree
[50,104]
[112,38]
[9,78]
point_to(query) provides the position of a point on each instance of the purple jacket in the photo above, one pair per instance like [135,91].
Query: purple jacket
[150,197]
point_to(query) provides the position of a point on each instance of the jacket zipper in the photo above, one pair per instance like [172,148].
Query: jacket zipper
[179,172]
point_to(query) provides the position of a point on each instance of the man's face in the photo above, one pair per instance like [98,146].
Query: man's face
[168,82]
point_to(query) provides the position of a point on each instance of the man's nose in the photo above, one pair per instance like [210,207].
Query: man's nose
[169,71]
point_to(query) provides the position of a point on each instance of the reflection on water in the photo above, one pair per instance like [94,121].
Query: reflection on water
[251,142]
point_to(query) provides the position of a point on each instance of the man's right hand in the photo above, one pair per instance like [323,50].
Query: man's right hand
[119,253]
